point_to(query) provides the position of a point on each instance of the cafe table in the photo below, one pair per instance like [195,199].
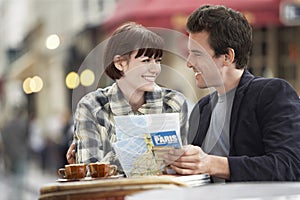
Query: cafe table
[114,188]
[226,191]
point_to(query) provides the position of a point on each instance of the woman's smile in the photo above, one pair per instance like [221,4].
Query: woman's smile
[150,78]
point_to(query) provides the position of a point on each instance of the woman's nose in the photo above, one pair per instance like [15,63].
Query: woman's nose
[154,66]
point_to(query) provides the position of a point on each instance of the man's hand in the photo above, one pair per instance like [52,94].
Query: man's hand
[71,154]
[193,160]
[188,160]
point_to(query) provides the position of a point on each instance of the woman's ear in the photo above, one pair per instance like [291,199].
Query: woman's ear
[119,62]
[229,57]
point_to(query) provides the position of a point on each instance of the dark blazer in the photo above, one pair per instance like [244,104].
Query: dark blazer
[264,129]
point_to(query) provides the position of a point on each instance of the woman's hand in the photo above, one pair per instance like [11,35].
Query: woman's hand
[71,158]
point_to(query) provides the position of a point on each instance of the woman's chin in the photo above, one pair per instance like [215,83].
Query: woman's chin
[148,88]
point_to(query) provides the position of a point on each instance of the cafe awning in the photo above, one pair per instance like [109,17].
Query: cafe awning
[173,13]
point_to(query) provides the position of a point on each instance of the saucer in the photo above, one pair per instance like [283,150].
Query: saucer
[66,180]
[90,178]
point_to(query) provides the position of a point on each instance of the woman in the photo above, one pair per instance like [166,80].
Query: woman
[132,56]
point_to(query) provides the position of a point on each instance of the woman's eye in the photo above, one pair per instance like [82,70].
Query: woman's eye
[146,60]
[158,60]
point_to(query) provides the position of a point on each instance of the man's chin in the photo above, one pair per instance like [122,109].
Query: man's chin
[201,85]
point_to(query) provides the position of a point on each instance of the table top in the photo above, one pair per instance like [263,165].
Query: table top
[89,188]
[226,191]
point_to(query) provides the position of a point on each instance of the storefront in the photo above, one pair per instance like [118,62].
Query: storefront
[173,13]
[275,28]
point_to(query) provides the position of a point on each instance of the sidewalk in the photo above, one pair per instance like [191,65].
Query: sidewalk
[26,187]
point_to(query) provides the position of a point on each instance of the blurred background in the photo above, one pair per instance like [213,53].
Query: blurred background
[43,44]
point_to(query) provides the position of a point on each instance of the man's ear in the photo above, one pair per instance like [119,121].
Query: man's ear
[119,62]
[229,57]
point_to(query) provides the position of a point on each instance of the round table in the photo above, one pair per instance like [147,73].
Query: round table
[100,189]
[226,191]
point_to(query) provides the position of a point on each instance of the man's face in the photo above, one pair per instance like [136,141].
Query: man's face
[202,60]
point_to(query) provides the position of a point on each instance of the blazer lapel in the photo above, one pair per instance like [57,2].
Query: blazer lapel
[199,122]
[246,79]
[194,121]
[204,122]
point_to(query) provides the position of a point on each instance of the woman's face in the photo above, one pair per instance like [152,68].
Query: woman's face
[140,73]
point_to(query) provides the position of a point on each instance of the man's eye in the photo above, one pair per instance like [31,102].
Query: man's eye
[196,53]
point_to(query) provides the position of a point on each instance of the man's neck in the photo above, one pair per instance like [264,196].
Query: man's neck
[231,80]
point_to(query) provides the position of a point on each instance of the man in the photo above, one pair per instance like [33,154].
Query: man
[249,128]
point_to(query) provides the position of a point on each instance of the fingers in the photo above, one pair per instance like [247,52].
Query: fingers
[192,150]
[185,165]
[187,150]
[191,166]
[188,153]
[71,157]
[184,171]
[172,156]
[71,154]
[187,160]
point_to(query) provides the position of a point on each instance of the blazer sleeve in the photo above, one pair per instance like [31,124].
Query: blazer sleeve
[278,116]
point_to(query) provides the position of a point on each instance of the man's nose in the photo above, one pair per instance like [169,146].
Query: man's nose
[189,64]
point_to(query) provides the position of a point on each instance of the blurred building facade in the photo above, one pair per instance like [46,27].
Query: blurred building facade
[36,38]
[28,29]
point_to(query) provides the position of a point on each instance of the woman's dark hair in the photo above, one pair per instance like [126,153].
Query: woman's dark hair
[227,29]
[128,38]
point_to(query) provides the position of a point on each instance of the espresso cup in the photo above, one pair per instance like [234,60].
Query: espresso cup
[102,170]
[72,171]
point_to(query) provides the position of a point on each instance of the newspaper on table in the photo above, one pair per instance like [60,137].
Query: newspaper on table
[142,140]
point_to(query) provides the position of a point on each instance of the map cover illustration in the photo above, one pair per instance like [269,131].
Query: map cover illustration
[142,140]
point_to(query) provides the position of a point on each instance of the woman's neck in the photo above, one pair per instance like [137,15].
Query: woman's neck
[136,101]
[134,97]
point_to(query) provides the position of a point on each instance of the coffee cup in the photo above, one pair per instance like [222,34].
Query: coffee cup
[72,171]
[102,170]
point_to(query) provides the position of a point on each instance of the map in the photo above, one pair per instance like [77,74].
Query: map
[142,140]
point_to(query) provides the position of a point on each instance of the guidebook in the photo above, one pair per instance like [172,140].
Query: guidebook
[142,141]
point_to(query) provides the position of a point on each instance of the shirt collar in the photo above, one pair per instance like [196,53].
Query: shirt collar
[120,106]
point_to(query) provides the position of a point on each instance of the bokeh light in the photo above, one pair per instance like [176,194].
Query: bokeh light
[36,84]
[32,85]
[52,41]
[87,77]
[72,80]
[26,86]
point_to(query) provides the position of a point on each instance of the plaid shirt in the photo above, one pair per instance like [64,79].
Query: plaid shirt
[94,119]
